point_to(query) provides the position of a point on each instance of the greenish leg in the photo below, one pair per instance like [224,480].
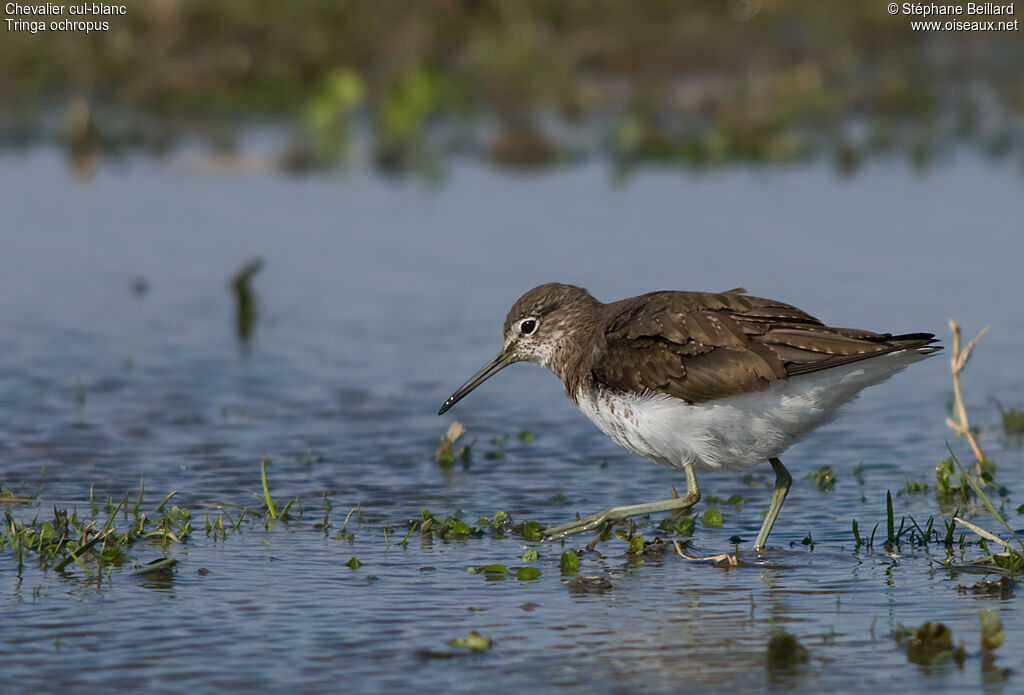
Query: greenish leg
[782,482]
[612,516]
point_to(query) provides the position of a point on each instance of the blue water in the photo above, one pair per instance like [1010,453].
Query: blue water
[378,298]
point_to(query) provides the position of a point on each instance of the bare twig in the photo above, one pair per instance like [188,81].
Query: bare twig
[957,362]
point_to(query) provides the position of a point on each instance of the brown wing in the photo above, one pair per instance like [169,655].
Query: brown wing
[702,346]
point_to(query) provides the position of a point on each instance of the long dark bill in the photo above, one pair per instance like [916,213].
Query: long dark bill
[503,360]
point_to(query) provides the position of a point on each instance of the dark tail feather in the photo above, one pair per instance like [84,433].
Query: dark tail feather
[924,342]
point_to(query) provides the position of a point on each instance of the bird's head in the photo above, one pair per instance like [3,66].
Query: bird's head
[538,328]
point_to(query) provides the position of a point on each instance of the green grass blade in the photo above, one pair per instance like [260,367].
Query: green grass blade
[80,563]
[138,502]
[981,495]
[163,564]
[164,501]
[890,526]
[266,492]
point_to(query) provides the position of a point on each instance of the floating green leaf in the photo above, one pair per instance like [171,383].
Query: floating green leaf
[735,501]
[492,569]
[474,641]
[930,644]
[527,573]
[569,562]
[533,531]
[686,526]
[712,519]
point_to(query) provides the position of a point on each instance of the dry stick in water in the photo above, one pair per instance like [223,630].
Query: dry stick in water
[957,362]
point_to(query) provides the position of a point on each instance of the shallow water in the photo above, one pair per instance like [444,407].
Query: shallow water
[378,298]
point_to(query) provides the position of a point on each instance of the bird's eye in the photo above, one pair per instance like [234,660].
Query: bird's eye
[528,326]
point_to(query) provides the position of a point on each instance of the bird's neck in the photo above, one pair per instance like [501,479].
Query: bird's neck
[572,356]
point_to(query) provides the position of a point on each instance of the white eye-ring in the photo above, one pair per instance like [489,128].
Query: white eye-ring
[528,326]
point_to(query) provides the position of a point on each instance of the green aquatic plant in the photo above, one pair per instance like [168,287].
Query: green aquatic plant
[160,565]
[908,531]
[784,651]
[808,541]
[266,491]
[533,531]
[272,512]
[913,487]
[342,535]
[330,109]
[948,484]
[569,563]
[735,501]
[682,526]
[824,478]
[412,527]
[686,526]
[1011,559]
[930,644]
[712,518]
[449,528]
[497,572]
[526,437]
[246,305]
[93,544]
[527,574]
[1012,419]
[401,116]
[488,569]
[857,540]
[474,641]
[891,537]
[992,634]
[497,450]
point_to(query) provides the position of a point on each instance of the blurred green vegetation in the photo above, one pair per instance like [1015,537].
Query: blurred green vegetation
[525,82]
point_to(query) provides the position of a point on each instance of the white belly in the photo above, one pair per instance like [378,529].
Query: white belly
[736,432]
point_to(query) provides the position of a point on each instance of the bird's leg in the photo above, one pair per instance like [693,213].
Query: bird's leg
[617,514]
[782,482]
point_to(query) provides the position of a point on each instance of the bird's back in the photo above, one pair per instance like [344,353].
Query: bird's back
[701,346]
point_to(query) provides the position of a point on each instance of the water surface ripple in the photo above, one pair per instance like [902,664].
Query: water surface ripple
[378,298]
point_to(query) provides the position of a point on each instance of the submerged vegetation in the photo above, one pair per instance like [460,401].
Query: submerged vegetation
[1013,420]
[785,652]
[932,644]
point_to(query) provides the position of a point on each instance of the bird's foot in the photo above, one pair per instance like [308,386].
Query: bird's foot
[608,518]
[720,560]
